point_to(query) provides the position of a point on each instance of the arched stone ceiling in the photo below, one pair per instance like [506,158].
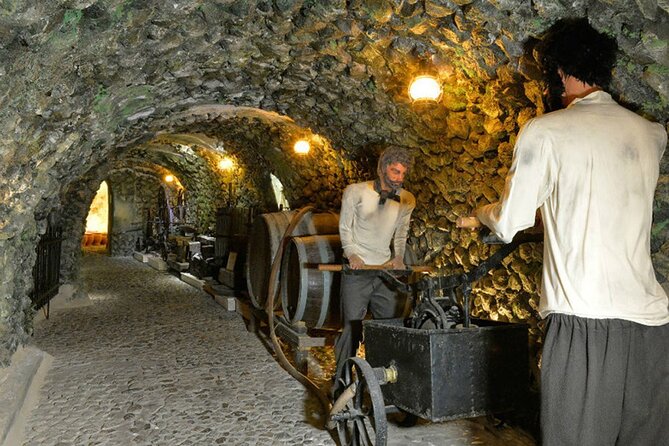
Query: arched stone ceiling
[251,135]
[84,81]
[99,76]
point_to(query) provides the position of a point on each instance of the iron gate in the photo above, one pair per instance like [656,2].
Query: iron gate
[46,272]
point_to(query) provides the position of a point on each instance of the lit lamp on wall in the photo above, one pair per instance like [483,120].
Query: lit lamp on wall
[425,88]
[169,178]
[302,147]
[226,163]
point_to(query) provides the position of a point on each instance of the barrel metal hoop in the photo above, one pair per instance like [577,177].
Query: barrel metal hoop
[327,285]
[304,285]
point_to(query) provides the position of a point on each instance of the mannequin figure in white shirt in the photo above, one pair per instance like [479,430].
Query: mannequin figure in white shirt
[374,215]
[592,169]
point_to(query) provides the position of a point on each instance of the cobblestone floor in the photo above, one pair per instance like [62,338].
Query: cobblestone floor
[153,361]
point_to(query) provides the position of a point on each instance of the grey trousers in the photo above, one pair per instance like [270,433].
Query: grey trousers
[604,382]
[358,293]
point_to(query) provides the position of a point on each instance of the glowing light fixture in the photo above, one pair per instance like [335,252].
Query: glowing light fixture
[169,178]
[302,146]
[226,163]
[425,88]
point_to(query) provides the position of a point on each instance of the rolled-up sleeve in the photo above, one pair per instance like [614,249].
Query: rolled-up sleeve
[527,186]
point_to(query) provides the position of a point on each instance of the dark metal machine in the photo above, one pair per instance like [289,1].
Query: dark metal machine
[454,372]
[439,364]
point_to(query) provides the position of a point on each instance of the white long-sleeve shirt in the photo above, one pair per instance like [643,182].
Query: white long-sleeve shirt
[592,168]
[367,228]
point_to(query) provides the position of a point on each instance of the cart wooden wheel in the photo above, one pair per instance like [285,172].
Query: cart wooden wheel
[359,413]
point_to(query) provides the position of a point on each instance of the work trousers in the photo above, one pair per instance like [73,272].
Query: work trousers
[358,293]
[604,382]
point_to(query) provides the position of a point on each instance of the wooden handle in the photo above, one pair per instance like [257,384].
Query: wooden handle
[339,267]
[329,267]
[468,222]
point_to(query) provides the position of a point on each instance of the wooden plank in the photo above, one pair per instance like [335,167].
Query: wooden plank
[178,266]
[244,309]
[254,316]
[157,263]
[229,303]
[299,340]
[142,257]
[192,280]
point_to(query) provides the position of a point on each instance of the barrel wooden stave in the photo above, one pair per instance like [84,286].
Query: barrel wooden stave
[264,239]
[307,294]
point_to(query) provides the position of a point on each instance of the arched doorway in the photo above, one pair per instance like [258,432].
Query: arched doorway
[277,187]
[97,222]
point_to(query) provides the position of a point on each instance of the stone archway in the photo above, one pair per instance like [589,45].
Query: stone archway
[86,82]
[98,221]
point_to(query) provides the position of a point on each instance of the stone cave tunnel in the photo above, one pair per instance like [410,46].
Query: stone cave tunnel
[193,116]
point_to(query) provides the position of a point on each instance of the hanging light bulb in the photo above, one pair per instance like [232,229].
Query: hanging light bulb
[424,88]
[226,163]
[302,146]
[169,178]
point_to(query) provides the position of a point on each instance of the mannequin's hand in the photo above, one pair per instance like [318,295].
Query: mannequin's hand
[395,263]
[472,222]
[355,262]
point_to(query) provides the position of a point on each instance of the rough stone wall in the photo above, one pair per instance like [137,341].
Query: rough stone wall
[85,83]
[70,214]
[191,170]
[15,311]
[466,170]
[263,143]
[660,231]
[133,193]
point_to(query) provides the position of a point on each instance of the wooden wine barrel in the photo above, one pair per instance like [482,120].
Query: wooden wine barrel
[263,243]
[308,294]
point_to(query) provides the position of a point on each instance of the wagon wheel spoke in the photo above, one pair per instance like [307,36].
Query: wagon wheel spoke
[363,421]
[361,432]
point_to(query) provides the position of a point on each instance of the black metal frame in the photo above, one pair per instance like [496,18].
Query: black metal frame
[46,272]
[441,373]
[446,374]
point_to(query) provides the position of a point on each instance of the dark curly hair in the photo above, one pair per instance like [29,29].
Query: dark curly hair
[574,46]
